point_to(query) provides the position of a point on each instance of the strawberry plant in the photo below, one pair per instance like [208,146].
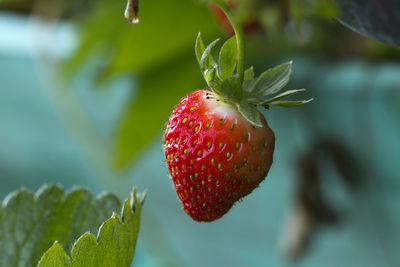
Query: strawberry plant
[218,146]
[40,230]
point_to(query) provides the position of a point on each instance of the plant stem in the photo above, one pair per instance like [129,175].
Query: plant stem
[239,39]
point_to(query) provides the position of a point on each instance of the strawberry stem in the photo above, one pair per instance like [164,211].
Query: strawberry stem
[239,39]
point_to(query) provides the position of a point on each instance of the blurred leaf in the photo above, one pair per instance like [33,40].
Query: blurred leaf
[148,111]
[30,224]
[115,244]
[227,58]
[158,50]
[167,29]
[326,9]
[301,9]
[297,12]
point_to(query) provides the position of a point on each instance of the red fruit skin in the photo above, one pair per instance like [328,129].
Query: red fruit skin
[214,155]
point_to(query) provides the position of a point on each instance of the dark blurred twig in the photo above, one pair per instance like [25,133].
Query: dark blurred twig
[311,208]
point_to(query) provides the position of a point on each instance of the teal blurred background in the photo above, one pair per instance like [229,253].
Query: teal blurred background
[77,86]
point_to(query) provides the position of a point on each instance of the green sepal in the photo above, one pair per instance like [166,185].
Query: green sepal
[290,104]
[227,58]
[209,75]
[206,60]
[221,79]
[250,113]
[199,50]
[231,89]
[280,96]
[249,74]
[199,47]
[272,80]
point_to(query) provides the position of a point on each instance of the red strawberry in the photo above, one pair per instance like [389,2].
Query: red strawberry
[215,156]
[218,146]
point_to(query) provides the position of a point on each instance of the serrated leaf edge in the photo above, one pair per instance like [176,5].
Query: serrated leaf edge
[134,207]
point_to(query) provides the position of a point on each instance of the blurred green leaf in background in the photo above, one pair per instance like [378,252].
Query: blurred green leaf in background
[158,52]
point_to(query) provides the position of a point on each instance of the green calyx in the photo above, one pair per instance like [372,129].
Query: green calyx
[238,86]
[263,90]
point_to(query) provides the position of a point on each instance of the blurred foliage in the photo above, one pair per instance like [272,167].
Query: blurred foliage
[158,53]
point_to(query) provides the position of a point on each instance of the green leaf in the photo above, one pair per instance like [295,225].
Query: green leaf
[249,74]
[199,47]
[210,75]
[157,53]
[250,113]
[290,104]
[114,246]
[231,89]
[159,38]
[146,113]
[281,96]
[249,81]
[272,80]
[297,11]
[326,9]
[206,59]
[55,257]
[30,224]
[227,58]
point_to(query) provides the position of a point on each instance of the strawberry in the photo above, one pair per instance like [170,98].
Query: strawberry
[215,156]
[218,146]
